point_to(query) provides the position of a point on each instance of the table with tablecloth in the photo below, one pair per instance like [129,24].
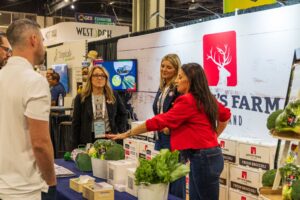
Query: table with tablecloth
[64,192]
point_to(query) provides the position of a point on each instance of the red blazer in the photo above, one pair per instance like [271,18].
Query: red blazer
[190,128]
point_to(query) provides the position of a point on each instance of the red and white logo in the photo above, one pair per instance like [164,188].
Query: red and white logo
[219,58]
[222,144]
[253,150]
[244,175]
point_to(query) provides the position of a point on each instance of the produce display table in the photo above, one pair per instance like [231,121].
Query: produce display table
[64,192]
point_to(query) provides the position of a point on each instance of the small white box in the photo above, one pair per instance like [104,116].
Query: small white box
[117,173]
[238,195]
[229,149]
[131,148]
[223,193]
[246,179]
[224,177]
[256,154]
[131,188]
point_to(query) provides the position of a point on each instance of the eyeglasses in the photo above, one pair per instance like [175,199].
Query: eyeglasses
[6,49]
[101,76]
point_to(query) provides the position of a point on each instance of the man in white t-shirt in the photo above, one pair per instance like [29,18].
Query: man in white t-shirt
[26,152]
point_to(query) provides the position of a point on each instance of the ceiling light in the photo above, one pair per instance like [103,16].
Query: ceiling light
[66,1]
[72,7]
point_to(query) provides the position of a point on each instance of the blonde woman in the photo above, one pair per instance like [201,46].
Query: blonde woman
[164,100]
[97,109]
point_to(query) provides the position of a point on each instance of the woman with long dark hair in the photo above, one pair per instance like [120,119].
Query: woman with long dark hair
[195,121]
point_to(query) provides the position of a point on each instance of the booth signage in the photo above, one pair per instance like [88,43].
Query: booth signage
[94,19]
[231,5]
[93,32]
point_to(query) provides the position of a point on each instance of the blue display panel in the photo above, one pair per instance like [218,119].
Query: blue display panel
[122,73]
[62,70]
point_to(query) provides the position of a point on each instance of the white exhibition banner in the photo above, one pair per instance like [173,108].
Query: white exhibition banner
[247,59]
[71,31]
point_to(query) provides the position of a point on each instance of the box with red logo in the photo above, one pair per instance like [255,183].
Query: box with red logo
[146,150]
[229,149]
[131,148]
[238,195]
[224,177]
[245,179]
[223,192]
[256,154]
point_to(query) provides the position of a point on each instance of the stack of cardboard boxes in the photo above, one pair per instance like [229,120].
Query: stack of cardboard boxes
[245,162]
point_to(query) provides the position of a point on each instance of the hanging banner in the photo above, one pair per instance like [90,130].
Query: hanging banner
[94,19]
[231,5]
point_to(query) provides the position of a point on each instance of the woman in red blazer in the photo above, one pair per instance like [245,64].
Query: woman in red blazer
[195,121]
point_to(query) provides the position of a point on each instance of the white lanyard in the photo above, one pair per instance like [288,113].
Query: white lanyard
[94,106]
[161,99]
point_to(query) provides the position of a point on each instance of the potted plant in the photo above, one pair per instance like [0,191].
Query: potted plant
[100,152]
[153,176]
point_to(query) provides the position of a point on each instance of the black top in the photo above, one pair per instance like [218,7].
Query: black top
[83,119]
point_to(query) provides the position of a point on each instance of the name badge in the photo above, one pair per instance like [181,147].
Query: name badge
[99,129]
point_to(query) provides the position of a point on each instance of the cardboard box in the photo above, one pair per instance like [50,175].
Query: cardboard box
[131,188]
[256,154]
[223,192]
[131,148]
[146,150]
[77,184]
[246,179]
[224,177]
[229,149]
[117,171]
[238,195]
[98,191]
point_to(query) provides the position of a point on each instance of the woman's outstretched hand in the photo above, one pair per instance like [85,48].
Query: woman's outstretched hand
[116,136]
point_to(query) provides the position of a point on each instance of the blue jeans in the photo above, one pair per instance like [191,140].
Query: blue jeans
[206,166]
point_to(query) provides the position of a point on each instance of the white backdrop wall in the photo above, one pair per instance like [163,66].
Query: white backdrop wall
[72,54]
[265,44]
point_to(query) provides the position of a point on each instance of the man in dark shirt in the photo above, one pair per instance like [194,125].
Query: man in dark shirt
[56,88]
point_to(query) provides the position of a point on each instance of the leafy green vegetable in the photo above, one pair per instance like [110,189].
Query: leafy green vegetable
[287,192]
[289,119]
[163,168]
[268,177]
[116,152]
[67,156]
[296,190]
[272,118]
[106,150]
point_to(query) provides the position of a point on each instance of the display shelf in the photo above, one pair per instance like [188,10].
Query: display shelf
[286,135]
[266,193]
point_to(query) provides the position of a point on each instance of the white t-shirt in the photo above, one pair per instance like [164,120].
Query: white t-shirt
[23,92]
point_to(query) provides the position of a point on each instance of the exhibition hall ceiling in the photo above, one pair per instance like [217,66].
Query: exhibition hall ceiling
[176,11]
